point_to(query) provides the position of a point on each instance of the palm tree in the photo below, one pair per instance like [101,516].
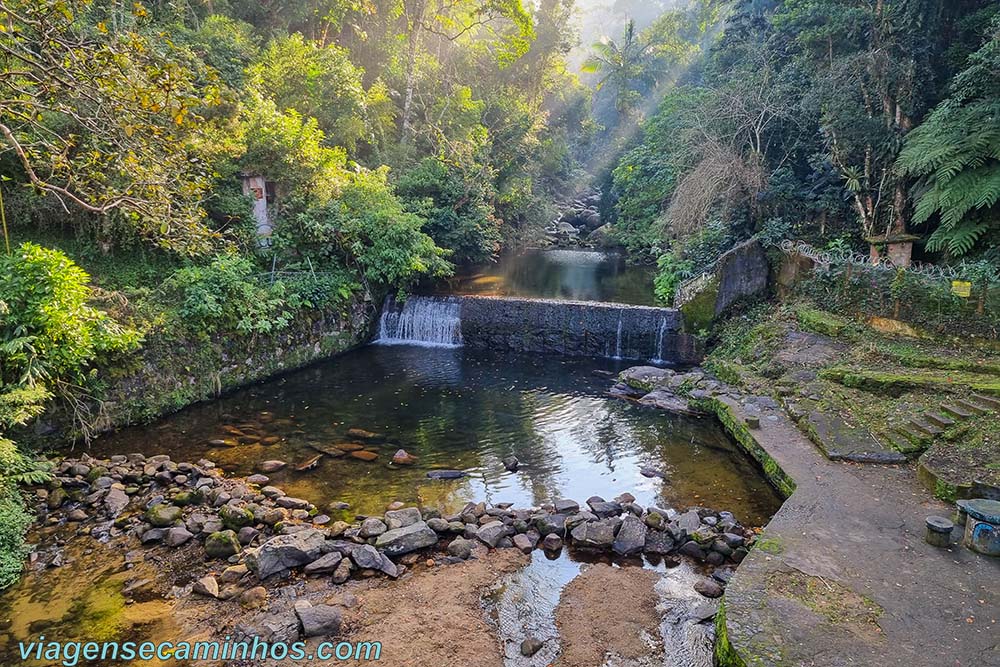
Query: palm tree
[623,65]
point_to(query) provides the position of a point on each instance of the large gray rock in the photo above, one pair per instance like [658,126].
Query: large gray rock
[284,552]
[399,541]
[115,501]
[320,620]
[594,534]
[402,518]
[491,533]
[631,537]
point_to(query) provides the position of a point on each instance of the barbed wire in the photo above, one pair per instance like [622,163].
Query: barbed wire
[841,256]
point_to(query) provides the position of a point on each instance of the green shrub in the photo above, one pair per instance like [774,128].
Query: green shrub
[48,332]
[671,272]
[14,521]
[227,295]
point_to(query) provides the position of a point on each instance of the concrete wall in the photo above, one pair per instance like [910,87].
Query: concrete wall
[576,329]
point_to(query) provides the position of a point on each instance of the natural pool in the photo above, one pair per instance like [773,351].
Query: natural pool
[575,275]
[453,409]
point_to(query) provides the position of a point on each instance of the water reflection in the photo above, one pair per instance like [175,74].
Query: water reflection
[577,275]
[459,410]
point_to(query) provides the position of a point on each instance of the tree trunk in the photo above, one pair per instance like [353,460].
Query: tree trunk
[415,24]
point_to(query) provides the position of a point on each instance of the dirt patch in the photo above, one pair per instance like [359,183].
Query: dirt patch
[435,617]
[607,615]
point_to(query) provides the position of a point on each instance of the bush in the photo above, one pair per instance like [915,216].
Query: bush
[14,522]
[49,332]
[456,207]
[227,295]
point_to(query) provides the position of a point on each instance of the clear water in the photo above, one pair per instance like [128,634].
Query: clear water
[454,409]
[575,275]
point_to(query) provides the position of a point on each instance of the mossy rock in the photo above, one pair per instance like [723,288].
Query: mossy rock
[235,518]
[222,544]
[185,498]
[96,472]
[821,322]
[163,515]
[699,312]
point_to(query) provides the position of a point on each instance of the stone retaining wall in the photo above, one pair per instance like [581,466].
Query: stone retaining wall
[577,329]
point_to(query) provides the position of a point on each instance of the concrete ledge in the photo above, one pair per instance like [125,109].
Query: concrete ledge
[841,575]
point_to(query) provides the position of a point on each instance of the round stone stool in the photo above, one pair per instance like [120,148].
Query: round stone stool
[982,528]
[938,531]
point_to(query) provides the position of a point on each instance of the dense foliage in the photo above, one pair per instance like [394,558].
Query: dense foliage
[832,122]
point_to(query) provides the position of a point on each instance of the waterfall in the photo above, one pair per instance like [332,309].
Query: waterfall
[658,359]
[421,320]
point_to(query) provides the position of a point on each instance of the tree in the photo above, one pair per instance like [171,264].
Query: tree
[100,117]
[955,156]
[452,20]
[317,81]
[623,65]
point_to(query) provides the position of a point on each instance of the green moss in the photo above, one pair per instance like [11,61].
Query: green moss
[738,429]
[895,383]
[771,545]
[725,654]
[699,312]
[820,321]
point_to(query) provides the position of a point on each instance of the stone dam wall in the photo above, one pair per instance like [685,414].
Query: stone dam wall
[542,326]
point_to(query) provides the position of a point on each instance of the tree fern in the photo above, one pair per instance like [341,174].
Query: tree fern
[955,157]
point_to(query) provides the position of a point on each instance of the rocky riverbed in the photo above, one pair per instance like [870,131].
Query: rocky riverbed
[241,541]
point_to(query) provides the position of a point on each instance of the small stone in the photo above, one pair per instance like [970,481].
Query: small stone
[531,646]
[552,542]
[511,463]
[207,586]
[318,620]
[460,548]
[258,479]
[401,518]
[232,574]
[403,458]
[372,527]
[222,544]
[709,588]
[324,564]
[524,543]
[247,535]
[254,598]
[177,536]
[76,515]
[163,515]
[268,467]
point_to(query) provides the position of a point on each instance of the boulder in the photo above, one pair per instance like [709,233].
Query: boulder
[402,518]
[399,541]
[222,544]
[594,535]
[631,537]
[320,620]
[284,552]
[207,586]
[709,588]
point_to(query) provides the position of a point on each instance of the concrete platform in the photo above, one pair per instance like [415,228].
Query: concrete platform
[841,575]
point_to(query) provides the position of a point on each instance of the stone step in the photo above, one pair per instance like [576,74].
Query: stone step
[840,441]
[913,434]
[974,408]
[956,411]
[939,419]
[902,444]
[991,402]
[926,427]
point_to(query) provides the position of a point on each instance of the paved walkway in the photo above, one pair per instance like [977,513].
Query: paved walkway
[842,575]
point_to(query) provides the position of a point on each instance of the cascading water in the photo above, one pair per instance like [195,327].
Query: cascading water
[428,321]
[658,359]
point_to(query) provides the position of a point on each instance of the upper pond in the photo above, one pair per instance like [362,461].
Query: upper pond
[452,408]
[574,275]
